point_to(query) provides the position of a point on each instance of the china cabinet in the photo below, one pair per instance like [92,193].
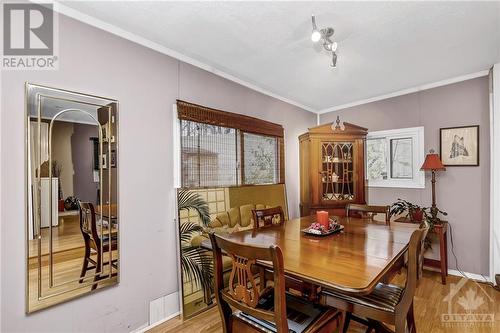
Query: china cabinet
[332,170]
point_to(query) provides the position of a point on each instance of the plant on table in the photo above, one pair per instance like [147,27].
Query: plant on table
[415,213]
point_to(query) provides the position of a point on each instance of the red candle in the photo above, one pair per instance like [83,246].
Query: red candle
[322,218]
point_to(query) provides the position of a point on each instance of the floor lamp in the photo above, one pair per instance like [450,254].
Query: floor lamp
[433,163]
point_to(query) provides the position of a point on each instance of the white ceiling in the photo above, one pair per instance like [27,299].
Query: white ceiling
[383,46]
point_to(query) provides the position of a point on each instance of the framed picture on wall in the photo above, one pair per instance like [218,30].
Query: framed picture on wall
[459,146]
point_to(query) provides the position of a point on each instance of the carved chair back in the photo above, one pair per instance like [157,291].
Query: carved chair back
[368,211]
[268,217]
[244,292]
[88,225]
[414,252]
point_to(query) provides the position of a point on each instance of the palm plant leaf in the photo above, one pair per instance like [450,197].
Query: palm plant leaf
[187,200]
[187,229]
[197,266]
[196,263]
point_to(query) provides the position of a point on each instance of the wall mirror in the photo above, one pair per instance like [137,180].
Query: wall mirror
[230,164]
[71,195]
[229,210]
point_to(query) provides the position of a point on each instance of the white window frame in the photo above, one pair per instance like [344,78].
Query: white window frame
[417,136]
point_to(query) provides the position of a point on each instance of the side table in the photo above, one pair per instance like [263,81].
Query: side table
[441,230]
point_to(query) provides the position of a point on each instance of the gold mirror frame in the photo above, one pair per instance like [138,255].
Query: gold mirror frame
[107,151]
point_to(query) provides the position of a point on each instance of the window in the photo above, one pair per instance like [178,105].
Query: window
[208,155]
[221,149]
[260,159]
[394,157]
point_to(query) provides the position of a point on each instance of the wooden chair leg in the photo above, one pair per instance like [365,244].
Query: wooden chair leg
[345,318]
[347,321]
[97,270]
[410,319]
[85,263]
[400,324]
[343,315]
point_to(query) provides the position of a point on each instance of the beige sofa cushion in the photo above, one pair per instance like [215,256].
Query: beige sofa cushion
[234,216]
[246,215]
[220,220]
[236,219]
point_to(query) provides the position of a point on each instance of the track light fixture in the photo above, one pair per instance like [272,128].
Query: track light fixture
[324,35]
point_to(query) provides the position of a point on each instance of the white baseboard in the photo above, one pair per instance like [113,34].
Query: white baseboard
[472,276]
[160,310]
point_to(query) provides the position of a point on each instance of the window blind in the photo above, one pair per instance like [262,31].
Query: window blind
[220,149]
[209,155]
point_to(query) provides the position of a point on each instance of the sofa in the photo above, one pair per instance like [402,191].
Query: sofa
[236,219]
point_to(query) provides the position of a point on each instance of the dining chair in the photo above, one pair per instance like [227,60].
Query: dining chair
[368,211]
[260,308]
[267,217]
[88,227]
[421,251]
[387,304]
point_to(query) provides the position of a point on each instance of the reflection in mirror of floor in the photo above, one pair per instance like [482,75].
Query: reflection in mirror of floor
[65,236]
[429,300]
[68,253]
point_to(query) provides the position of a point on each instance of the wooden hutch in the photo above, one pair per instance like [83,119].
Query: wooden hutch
[332,168]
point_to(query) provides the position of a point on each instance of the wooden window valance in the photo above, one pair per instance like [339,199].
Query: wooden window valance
[203,114]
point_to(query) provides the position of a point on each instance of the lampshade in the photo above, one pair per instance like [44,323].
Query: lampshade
[432,162]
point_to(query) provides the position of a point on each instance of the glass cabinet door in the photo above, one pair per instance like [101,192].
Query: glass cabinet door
[337,171]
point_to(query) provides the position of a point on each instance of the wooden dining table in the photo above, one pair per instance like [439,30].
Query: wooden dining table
[351,261]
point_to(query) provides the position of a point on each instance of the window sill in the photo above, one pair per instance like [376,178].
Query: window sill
[397,185]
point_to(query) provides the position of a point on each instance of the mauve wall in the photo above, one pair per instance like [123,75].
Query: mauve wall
[147,84]
[82,150]
[463,192]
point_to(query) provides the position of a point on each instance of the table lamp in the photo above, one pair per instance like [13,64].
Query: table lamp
[433,163]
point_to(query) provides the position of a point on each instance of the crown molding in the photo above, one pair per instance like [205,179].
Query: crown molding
[90,20]
[407,91]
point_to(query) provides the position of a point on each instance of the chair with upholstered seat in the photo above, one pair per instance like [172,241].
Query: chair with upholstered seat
[93,242]
[368,211]
[267,217]
[260,308]
[387,303]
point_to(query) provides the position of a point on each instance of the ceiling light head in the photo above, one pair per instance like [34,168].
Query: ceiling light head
[325,35]
[334,60]
[315,36]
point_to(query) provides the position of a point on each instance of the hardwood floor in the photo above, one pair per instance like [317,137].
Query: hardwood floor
[66,236]
[431,306]
[68,254]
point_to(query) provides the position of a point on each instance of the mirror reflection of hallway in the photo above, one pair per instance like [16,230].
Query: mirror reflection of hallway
[72,163]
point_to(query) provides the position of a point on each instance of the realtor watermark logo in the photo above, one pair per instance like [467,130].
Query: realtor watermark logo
[474,307]
[29,36]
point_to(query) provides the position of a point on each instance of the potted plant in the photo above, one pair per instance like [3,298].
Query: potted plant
[431,217]
[414,212]
[196,263]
